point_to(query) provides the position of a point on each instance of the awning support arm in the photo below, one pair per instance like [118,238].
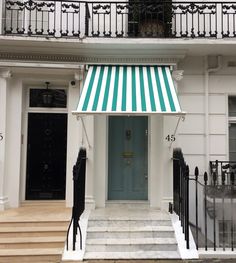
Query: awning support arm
[85,131]
[176,128]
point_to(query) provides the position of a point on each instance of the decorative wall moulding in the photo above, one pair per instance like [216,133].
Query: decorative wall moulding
[5,73]
[177,74]
[84,59]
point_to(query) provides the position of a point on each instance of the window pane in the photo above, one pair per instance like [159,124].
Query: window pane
[42,98]
[232,142]
[232,106]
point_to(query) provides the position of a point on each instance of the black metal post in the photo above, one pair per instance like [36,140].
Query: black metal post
[187,207]
[214,211]
[87,16]
[223,209]
[232,207]
[183,195]
[205,212]
[196,172]
[182,199]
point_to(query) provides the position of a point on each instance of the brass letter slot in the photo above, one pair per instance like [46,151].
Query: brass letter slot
[128,154]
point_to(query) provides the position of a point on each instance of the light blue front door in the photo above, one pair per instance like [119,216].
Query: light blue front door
[128,141]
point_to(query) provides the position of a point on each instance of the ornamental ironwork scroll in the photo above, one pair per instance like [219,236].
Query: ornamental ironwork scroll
[30,17]
[137,19]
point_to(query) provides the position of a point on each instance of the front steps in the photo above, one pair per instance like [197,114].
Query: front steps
[128,233]
[33,234]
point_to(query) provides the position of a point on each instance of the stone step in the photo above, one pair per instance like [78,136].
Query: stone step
[44,203]
[30,252]
[130,232]
[125,223]
[131,244]
[142,205]
[63,224]
[61,233]
[149,255]
[31,242]
[26,228]
[31,259]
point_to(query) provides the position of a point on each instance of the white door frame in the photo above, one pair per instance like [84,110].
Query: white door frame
[24,133]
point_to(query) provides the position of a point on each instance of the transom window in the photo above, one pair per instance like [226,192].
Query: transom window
[53,98]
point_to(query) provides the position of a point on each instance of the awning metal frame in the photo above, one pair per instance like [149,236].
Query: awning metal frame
[85,131]
[176,128]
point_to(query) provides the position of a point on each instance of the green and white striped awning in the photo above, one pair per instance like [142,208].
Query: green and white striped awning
[126,90]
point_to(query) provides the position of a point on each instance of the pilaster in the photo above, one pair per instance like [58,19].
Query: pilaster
[90,167]
[155,160]
[4,75]
[1,16]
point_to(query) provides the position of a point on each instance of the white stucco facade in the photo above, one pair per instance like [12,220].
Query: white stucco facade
[201,136]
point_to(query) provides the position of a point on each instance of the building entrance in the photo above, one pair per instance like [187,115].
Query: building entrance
[46,156]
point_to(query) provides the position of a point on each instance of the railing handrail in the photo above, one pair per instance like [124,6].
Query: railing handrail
[183,192]
[79,172]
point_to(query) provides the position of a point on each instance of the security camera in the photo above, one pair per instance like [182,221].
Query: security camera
[72,83]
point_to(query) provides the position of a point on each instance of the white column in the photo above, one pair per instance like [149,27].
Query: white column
[155,164]
[90,167]
[101,160]
[2,15]
[13,141]
[74,140]
[3,121]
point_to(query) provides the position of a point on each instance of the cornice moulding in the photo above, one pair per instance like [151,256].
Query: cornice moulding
[18,57]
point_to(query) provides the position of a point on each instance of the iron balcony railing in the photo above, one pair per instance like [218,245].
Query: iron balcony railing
[133,18]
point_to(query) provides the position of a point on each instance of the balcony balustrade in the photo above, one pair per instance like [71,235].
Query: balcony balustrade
[133,18]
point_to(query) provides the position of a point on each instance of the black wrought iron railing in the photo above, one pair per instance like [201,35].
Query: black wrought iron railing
[79,171]
[206,203]
[181,191]
[223,170]
[215,218]
[133,18]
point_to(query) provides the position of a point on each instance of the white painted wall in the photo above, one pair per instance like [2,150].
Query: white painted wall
[192,137]
[192,133]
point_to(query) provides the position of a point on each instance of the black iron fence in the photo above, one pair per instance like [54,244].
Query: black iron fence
[215,216]
[158,19]
[181,191]
[207,202]
[79,171]
[223,171]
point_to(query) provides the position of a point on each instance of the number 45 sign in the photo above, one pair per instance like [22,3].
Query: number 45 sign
[1,136]
[170,137]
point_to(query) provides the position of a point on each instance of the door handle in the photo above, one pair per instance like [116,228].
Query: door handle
[128,154]
[145,176]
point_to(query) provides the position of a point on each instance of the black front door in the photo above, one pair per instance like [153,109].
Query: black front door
[46,156]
